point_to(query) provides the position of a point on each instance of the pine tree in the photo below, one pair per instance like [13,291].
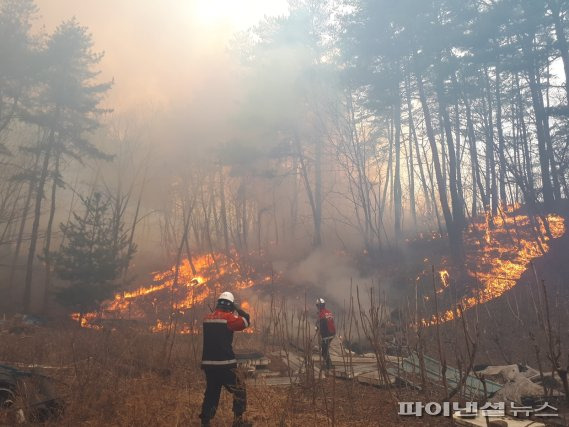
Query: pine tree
[92,257]
[66,106]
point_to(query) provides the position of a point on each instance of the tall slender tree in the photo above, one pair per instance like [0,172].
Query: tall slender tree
[66,108]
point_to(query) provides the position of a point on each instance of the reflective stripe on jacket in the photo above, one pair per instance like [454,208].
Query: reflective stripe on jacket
[218,328]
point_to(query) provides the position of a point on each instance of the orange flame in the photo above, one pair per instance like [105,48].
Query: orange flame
[511,241]
[174,291]
[445,280]
[245,305]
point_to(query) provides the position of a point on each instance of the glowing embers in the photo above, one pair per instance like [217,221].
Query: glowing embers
[166,302]
[499,250]
[445,280]
[86,321]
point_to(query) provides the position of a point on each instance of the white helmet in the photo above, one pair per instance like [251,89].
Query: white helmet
[320,301]
[227,296]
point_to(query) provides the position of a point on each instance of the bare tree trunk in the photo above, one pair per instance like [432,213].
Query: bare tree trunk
[455,235]
[13,192]
[476,179]
[244,219]
[501,142]
[216,215]
[172,321]
[456,199]
[318,193]
[388,178]
[561,42]
[411,176]
[492,188]
[525,143]
[47,249]
[131,246]
[551,153]
[430,203]
[444,159]
[317,240]
[358,159]
[539,122]
[413,133]
[432,190]
[190,256]
[458,151]
[36,223]
[223,209]
[397,174]
[25,211]
[294,201]
[207,213]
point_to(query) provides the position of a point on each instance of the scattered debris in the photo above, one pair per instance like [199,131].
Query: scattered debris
[20,324]
[473,387]
[521,384]
[27,397]
[252,363]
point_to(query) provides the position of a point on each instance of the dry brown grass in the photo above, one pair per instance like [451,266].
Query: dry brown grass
[120,378]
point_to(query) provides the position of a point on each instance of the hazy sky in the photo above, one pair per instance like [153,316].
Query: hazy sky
[162,53]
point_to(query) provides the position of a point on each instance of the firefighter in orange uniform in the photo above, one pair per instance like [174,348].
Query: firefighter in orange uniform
[325,325]
[218,359]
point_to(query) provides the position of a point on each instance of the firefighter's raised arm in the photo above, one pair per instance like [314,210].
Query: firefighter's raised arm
[243,314]
[237,323]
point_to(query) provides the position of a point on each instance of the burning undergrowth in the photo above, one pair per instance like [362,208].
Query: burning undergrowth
[498,250]
[168,299]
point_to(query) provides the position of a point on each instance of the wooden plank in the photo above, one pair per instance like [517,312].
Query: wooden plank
[373,378]
[354,360]
[297,364]
[274,381]
[262,362]
[350,374]
[266,373]
[293,361]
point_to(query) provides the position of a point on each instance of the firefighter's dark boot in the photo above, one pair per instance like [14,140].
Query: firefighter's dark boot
[238,421]
[205,423]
